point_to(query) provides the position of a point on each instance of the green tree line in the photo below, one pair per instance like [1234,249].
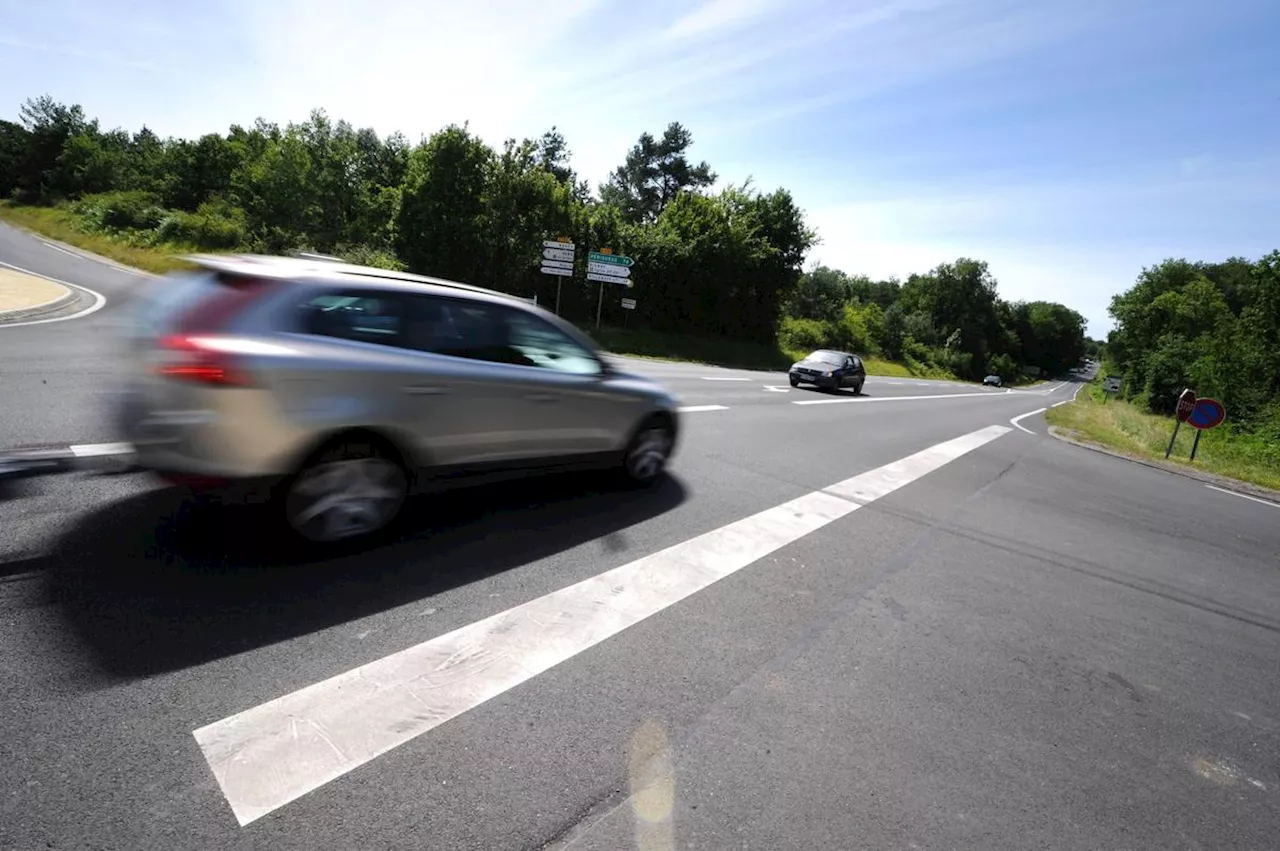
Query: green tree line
[1211,327]
[718,263]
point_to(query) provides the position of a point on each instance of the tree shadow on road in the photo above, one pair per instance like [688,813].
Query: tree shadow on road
[160,581]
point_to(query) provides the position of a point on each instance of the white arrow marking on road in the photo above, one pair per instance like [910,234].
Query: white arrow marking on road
[777,388]
[276,752]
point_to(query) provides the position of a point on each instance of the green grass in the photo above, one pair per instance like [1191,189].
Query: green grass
[1127,428]
[729,353]
[61,224]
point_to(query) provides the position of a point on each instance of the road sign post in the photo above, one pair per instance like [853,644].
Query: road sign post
[1109,386]
[1205,414]
[557,259]
[1186,403]
[608,268]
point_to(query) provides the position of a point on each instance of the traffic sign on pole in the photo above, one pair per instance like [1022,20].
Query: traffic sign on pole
[607,279]
[1186,403]
[611,259]
[606,269]
[558,254]
[1207,413]
[555,243]
[628,304]
[562,271]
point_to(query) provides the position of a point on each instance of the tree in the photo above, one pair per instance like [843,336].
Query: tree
[654,173]
[440,224]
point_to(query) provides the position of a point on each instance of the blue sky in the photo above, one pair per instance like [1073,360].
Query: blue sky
[1067,143]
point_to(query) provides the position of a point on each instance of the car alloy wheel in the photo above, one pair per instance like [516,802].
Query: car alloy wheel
[338,498]
[648,453]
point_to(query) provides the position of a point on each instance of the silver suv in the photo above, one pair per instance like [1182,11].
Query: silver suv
[344,385]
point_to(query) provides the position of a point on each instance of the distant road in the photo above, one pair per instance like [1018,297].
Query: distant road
[896,620]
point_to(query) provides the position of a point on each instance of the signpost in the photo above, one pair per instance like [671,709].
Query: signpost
[608,268]
[1186,403]
[628,304]
[1110,385]
[557,259]
[1205,414]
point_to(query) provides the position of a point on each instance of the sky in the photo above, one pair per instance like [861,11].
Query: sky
[1068,143]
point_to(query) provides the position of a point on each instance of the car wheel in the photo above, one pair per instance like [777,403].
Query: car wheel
[795,382]
[646,456]
[349,489]
[857,390]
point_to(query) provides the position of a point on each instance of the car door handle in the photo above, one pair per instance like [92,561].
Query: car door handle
[423,390]
[542,397]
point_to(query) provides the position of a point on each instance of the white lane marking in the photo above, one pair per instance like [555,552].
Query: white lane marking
[1063,402]
[777,388]
[276,752]
[866,400]
[722,378]
[98,300]
[694,409]
[1244,496]
[94,450]
[1014,422]
[88,255]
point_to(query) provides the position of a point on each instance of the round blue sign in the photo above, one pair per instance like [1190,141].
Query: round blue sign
[1208,413]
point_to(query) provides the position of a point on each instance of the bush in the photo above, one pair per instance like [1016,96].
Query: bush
[120,211]
[803,334]
[368,255]
[214,225]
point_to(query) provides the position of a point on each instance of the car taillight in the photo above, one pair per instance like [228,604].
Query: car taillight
[202,360]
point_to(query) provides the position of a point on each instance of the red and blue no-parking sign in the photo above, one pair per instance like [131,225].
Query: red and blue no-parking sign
[1208,413]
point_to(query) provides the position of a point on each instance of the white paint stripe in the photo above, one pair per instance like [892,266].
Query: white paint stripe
[1244,496]
[1015,420]
[93,450]
[98,300]
[866,400]
[1063,402]
[723,378]
[276,752]
[694,409]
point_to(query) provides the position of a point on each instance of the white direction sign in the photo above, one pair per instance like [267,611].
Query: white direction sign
[628,304]
[558,254]
[608,279]
[611,271]
[564,271]
[551,243]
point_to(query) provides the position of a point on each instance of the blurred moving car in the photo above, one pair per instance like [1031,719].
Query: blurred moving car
[992,381]
[341,385]
[831,370]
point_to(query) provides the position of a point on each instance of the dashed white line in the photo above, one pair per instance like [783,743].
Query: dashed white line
[98,299]
[1015,420]
[1063,402]
[695,409]
[723,378]
[1243,496]
[274,753]
[94,450]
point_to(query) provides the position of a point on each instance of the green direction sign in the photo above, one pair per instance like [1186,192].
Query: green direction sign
[615,259]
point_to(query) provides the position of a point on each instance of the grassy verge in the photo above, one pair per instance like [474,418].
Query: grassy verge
[728,353]
[1131,430]
[61,224]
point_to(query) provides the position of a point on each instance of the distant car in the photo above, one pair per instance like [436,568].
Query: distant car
[991,381]
[340,385]
[831,370]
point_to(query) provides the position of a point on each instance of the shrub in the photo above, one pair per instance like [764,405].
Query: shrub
[808,334]
[120,211]
[214,225]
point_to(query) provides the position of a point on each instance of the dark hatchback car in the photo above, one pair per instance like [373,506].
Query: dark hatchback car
[830,370]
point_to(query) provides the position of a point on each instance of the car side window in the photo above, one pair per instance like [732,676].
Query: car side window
[366,317]
[461,329]
[549,347]
[857,362]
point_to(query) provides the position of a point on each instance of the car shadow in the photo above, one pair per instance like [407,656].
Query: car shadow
[161,581]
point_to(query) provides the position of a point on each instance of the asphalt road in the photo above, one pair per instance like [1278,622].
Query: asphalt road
[1011,643]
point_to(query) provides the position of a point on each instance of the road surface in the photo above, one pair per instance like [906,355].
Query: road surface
[876,622]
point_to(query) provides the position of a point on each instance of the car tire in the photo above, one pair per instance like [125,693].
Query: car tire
[352,488]
[857,390]
[795,382]
[646,455]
